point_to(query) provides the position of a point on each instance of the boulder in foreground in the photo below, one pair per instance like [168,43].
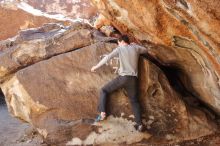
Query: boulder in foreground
[59,94]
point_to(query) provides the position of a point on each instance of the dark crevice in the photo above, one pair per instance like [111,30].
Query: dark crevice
[2,98]
[174,74]
[184,3]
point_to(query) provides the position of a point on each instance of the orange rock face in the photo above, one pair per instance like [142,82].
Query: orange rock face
[185,34]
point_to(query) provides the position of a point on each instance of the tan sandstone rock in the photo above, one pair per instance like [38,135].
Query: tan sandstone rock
[41,43]
[47,82]
[59,95]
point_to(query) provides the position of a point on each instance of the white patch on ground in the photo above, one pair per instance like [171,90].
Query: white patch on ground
[43,132]
[75,141]
[131,116]
[122,114]
[114,130]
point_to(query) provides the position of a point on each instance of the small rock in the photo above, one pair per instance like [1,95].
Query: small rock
[131,116]
[173,110]
[28,141]
[144,121]
[169,137]
[148,127]
[150,122]
[151,117]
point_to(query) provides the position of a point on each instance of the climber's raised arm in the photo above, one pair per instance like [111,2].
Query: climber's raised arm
[114,53]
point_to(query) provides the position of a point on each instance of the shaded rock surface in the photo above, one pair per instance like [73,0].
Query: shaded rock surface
[47,82]
[185,36]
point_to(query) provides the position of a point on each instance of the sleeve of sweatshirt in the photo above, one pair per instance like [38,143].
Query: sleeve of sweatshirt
[142,50]
[114,53]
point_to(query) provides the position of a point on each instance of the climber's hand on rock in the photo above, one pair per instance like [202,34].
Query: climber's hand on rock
[93,69]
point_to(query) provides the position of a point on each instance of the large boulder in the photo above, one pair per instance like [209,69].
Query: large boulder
[185,33]
[58,94]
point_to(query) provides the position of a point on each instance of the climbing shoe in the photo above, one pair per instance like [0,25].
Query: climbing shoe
[139,127]
[99,118]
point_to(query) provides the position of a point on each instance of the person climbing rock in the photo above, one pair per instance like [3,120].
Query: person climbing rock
[128,54]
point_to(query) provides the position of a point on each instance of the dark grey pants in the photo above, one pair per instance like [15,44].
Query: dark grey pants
[130,84]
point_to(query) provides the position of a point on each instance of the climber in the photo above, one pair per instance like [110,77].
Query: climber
[128,77]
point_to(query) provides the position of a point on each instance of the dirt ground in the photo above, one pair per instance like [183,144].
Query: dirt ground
[212,140]
[16,133]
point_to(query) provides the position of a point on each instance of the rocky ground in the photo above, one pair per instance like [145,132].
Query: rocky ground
[16,133]
[211,140]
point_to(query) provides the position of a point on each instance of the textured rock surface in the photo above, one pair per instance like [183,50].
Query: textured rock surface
[58,95]
[41,43]
[185,33]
